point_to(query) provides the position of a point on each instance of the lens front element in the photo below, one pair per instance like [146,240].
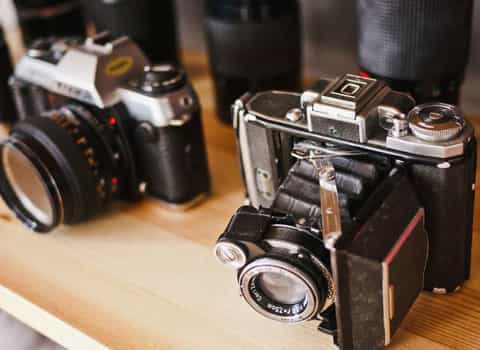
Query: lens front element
[283,288]
[279,290]
[28,188]
[27,184]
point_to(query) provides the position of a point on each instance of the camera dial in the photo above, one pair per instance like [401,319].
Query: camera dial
[162,79]
[436,122]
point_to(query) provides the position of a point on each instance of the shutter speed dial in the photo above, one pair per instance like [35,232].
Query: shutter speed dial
[436,122]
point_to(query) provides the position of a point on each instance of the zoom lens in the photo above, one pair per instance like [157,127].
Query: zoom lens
[46,18]
[417,46]
[61,168]
[253,46]
[150,23]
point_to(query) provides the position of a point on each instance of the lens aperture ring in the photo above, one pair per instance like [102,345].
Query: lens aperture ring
[70,122]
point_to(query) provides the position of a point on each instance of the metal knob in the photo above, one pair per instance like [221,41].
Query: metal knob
[436,122]
[230,254]
[162,79]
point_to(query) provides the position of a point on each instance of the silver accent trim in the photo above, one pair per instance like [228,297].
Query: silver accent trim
[450,117]
[413,145]
[164,110]
[83,72]
[230,254]
[331,218]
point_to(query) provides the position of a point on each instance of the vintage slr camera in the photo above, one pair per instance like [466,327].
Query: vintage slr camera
[98,123]
[359,200]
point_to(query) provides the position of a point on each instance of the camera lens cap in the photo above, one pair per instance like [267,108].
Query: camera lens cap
[162,78]
[436,122]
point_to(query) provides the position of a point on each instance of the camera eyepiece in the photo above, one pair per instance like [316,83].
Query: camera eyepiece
[59,168]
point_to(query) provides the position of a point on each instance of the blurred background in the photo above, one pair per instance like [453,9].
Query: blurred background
[330,39]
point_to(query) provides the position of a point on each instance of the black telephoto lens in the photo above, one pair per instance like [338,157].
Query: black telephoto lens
[7,108]
[150,23]
[417,46]
[45,18]
[63,167]
[253,45]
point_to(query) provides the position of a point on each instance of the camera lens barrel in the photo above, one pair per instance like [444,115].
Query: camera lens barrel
[419,46]
[150,23]
[7,107]
[253,46]
[70,154]
[45,18]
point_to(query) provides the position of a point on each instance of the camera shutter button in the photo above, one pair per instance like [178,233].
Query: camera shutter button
[436,122]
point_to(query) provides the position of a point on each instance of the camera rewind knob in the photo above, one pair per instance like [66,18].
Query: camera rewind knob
[436,122]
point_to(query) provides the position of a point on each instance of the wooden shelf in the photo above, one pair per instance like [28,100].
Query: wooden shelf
[144,277]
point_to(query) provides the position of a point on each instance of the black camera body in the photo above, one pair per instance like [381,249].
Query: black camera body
[7,109]
[400,182]
[103,124]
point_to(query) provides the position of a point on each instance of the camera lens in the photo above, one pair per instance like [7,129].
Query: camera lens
[253,46]
[60,168]
[46,18]
[280,290]
[283,286]
[417,46]
[150,23]
[28,184]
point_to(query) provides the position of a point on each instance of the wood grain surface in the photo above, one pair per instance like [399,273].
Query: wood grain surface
[144,277]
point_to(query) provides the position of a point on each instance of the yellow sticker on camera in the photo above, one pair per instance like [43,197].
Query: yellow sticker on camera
[119,66]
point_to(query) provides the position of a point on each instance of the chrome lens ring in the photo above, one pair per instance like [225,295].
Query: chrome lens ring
[297,312]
